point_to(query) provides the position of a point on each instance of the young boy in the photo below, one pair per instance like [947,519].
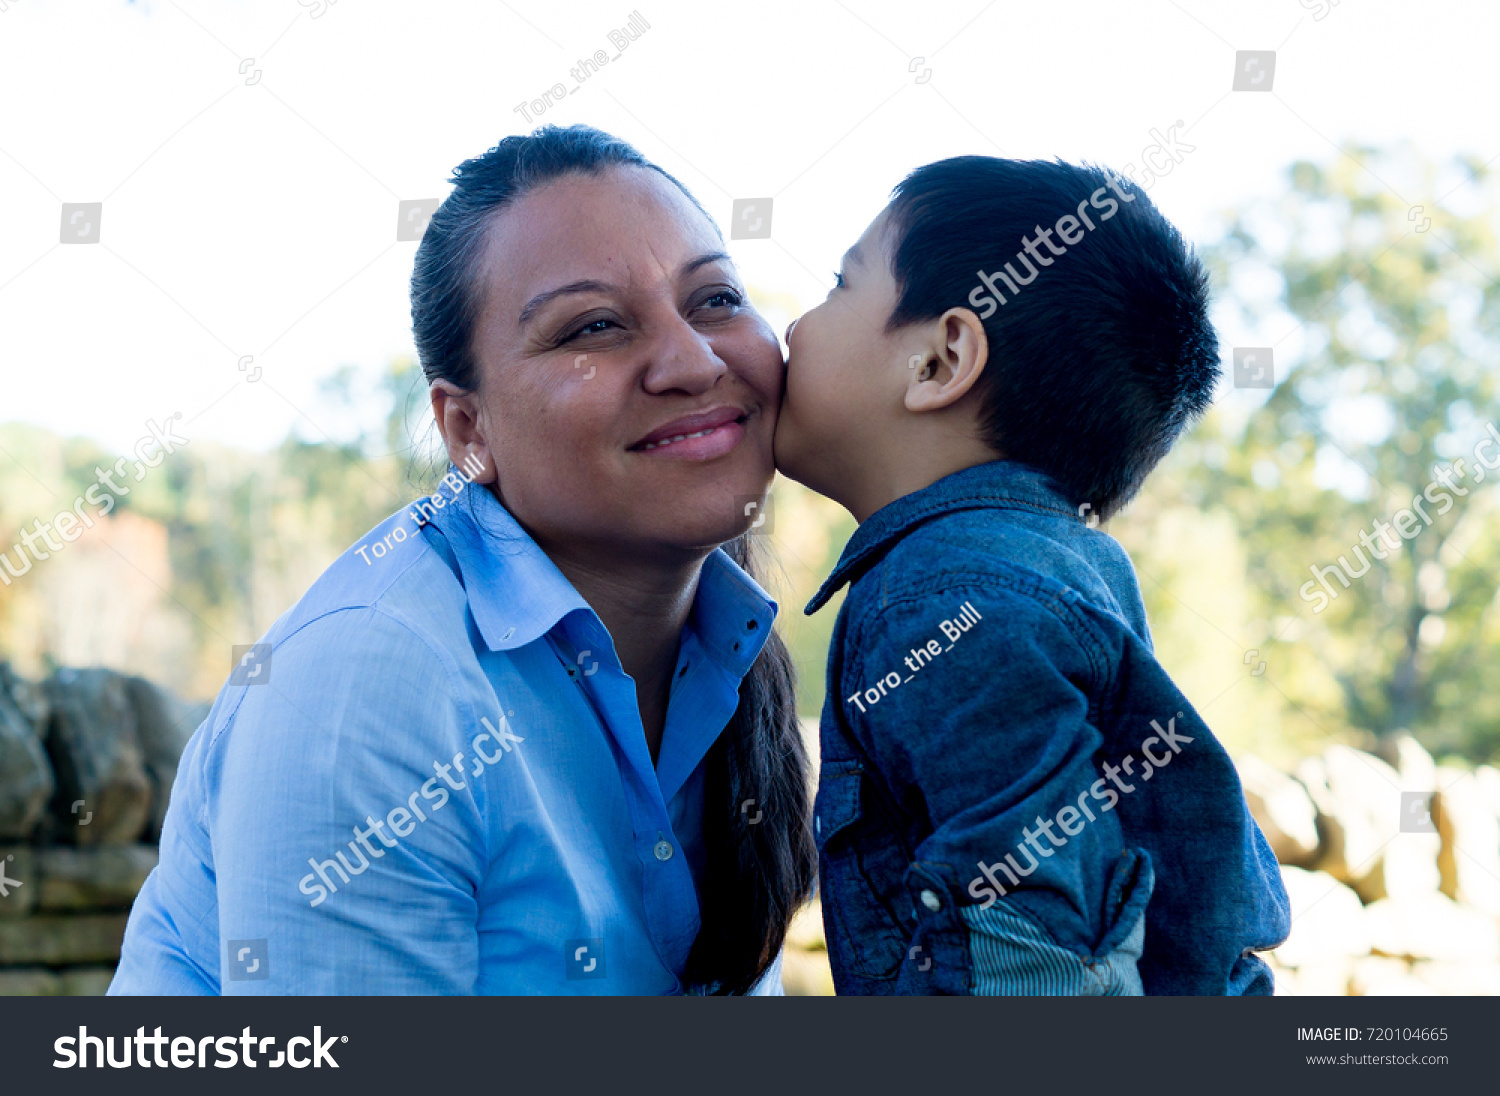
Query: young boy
[1014,797]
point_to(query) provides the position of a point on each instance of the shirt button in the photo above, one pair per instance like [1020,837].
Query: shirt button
[663,850]
[931,900]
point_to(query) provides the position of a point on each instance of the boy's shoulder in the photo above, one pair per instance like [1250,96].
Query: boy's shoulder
[1015,557]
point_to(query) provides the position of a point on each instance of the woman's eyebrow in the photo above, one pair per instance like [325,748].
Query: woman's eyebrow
[703,260]
[589,285]
[541,300]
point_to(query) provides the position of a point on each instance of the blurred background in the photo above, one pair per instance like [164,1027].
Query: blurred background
[211,213]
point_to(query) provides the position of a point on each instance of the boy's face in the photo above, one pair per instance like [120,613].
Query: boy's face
[846,377]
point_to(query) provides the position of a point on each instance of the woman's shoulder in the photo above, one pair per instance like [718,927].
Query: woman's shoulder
[383,625]
[394,575]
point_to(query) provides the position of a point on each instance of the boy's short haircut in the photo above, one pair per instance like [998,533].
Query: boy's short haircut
[1100,350]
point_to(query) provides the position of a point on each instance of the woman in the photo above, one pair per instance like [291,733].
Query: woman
[547,705]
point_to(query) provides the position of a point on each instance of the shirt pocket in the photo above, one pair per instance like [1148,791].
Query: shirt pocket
[861,868]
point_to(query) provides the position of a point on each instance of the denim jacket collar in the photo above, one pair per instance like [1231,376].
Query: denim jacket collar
[1003,484]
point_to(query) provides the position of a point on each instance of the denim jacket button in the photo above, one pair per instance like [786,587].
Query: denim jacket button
[663,850]
[931,900]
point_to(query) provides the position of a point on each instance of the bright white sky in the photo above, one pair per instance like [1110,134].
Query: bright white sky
[259,218]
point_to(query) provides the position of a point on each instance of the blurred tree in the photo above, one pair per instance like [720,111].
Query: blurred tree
[1387,381]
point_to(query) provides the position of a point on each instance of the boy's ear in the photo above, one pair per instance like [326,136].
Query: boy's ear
[954,360]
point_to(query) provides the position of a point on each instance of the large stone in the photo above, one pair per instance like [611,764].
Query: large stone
[26,783]
[1379,975]
[57,940]
[1283,810]
[104,878]
[29,982]
[1325,977]
[1470,979]
[1359,802]
[29,698]
[1432,926]
[1488,779]
[1400,985]
[104,795]
[41,982]
[1409,865]
[162,732]
[1469,861]
[1327,920]
[86,981]
[1417,768]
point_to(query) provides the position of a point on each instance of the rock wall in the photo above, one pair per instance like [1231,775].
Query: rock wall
[87,759]
[1393,872]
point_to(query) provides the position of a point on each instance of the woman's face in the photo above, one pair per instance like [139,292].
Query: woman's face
[628,390]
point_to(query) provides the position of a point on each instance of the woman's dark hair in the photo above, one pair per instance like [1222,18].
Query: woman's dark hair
[1096,368]
[758,872]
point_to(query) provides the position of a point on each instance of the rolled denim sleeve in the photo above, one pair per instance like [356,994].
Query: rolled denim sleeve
[995,739]
[1011,954]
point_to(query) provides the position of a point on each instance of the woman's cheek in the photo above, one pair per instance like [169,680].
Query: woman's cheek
[759,356]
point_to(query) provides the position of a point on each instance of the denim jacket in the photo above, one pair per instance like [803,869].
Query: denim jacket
[1014,797]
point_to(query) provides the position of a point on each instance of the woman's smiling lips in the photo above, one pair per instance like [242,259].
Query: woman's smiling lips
[703,436]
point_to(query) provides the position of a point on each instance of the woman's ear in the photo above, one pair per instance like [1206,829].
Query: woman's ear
[954,360]
[457,414]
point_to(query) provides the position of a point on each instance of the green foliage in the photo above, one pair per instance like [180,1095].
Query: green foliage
[1386,328]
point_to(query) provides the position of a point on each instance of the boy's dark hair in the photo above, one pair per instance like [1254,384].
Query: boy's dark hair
[1097,361]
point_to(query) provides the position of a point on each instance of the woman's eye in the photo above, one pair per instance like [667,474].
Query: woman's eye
[838,279]
[593,327]
[724,298]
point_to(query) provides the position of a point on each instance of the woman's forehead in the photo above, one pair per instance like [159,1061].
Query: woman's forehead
[623,225]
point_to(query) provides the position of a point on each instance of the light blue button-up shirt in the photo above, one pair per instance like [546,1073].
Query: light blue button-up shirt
[438,782]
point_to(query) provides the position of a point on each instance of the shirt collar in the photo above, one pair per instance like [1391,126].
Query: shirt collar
[516,593]
[732,615]
[1002,484]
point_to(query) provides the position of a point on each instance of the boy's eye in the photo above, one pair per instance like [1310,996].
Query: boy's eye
[838,279]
